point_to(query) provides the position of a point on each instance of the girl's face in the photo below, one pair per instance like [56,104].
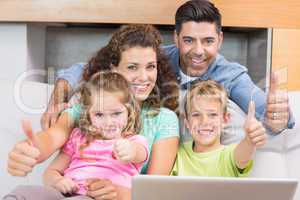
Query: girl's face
[139,66]
[108,114]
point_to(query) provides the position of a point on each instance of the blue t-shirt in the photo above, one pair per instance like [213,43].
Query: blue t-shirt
[163,125]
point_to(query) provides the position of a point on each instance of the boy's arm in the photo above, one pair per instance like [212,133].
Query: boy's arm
[255,137]
[67,80]
[54,172]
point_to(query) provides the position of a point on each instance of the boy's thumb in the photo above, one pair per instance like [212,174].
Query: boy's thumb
[27,128]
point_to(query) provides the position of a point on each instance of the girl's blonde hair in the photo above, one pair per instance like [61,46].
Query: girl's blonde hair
[208,88]
[113,83]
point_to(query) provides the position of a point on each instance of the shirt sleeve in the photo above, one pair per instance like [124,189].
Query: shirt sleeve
[71,145]
[143,141]
[168,125]
[75,112]
[238,172]
[72,74]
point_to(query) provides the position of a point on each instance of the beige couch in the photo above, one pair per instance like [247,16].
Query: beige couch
[279,158]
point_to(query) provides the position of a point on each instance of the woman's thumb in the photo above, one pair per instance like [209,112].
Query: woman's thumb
[27,128]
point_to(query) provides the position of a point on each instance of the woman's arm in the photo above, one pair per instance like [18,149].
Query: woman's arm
[24,156]
[163,156]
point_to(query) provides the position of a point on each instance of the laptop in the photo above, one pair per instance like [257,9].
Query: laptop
[145,187]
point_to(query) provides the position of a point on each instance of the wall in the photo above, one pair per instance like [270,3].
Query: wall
[285,57]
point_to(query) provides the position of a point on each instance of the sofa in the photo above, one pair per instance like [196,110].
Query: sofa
[279,158]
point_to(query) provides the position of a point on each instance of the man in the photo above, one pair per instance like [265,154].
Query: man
[198,38]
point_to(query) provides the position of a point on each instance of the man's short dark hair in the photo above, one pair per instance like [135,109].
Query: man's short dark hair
[198,11]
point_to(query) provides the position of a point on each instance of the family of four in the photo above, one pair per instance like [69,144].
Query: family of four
[125,121]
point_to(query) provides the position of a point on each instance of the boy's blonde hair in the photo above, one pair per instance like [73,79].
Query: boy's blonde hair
[205,88]
[114,83]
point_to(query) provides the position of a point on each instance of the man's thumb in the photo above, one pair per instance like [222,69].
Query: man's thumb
[274,82]
[251,110]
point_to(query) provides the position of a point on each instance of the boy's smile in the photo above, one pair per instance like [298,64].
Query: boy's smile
[205,122]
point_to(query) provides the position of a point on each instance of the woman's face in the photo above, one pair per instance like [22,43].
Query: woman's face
[139,66]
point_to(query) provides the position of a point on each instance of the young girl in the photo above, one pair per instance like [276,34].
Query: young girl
[104,146]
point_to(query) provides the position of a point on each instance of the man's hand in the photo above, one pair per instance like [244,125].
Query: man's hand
[255,131]
[57,103]
[101,189]
[277,112]
[24,156]
[51,115]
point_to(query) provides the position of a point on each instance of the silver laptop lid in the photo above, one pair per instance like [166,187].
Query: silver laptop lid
[146,187]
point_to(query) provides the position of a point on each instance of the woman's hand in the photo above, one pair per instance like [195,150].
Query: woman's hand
[66,185]
[101,189]
[24,156]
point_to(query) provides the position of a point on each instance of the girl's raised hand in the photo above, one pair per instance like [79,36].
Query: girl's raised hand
[124,150]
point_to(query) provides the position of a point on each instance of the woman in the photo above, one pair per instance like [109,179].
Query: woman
[134,52]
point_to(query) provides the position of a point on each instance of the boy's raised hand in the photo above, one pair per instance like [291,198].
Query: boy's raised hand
[24,155]
[124,150]
[277,114]
[255,131]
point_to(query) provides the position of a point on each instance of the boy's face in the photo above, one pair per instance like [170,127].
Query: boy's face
[198,44]
[204,121]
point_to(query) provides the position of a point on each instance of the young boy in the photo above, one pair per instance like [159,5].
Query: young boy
[205,114]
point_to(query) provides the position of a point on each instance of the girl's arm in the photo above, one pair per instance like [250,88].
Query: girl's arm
[54,172]
[163,156]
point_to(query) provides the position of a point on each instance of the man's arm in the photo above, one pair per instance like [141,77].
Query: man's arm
[67,80]
[243,90]
[58,102]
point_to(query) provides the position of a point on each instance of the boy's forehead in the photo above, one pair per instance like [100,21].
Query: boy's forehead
[205,100]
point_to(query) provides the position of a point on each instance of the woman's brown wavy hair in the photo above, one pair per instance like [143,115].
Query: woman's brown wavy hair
[165,92]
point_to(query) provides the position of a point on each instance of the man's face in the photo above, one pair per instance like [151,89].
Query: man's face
[198,44]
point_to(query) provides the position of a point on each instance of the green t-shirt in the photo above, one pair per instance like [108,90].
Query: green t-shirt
[164,125]
[219,162]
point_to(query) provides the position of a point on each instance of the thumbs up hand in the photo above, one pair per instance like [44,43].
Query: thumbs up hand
[24,155]
[277,111]
[255,131]
[124,150]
